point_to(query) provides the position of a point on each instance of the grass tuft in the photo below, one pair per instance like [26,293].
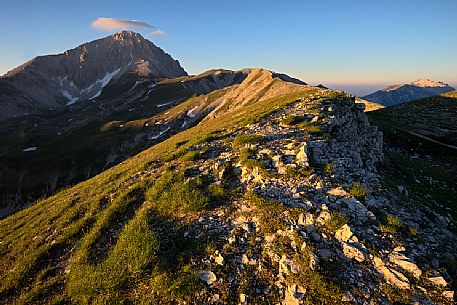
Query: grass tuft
[358,191]
[242,140]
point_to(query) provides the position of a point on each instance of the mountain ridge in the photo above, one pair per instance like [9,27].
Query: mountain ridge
[401,93]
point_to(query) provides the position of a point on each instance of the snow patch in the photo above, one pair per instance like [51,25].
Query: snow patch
[71,99]
[162,105]
[191,113]
[158,135]
[134,86]
[103,82]
[31,148]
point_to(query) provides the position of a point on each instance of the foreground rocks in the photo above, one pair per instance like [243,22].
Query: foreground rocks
[297,221]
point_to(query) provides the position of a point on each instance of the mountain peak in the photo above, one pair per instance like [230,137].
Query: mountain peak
[425,82]
[126,35]
[81,73]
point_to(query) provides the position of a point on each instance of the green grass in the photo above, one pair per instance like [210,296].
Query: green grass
[358,191]
[136,248]
[41,237]
[298,172]
[310,128]
[337,220]
[191,155]
[292,120]
[393,225]
[269,212]
[241,140]
[173,193]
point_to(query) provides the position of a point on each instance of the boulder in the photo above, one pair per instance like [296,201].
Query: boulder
[391,276]
[405,263]
[354,250]
[344,233]
[208,276]
[295,294]
[438,281]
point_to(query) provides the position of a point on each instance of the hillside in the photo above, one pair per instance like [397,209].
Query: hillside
[431,117]
[402,93]
[369,106]
[273,197]
[43,152]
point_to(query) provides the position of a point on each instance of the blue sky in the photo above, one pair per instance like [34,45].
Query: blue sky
[330,42]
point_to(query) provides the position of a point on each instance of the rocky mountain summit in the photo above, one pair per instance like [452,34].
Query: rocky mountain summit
[274,197]
[79,74]
[396,94]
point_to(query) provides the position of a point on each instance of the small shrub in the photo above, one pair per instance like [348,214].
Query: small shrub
[411,232]
[241,140]
[245,153]
[358,191]
[393,225]
[298,172]
[337,220]
[328,168]
[292,120]
[191,155]
[310,128]
[205,139]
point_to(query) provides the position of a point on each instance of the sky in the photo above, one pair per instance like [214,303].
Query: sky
[352,44]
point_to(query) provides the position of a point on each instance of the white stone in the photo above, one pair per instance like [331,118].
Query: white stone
[405,263]
[344,233]
[208,276]
[438,280]
[391,276]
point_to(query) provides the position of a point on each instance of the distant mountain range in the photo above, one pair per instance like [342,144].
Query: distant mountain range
[79,74]
[401,93]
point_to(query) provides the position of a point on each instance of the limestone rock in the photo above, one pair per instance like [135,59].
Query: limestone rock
[287,266]
[392,276]
[294,295]
[344,233]
[338,192]
[405,263]
[354,250]
[438,280]
[306,219]
[302,155]
[208,276]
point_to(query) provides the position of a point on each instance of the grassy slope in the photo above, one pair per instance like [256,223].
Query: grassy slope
[432,117]
[69,157]
[426,169]
[41,245]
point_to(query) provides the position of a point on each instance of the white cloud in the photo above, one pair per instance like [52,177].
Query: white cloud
[109,24]
[157,33]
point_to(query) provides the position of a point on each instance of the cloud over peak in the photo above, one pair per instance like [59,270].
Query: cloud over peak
[110,24]
[157,33]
